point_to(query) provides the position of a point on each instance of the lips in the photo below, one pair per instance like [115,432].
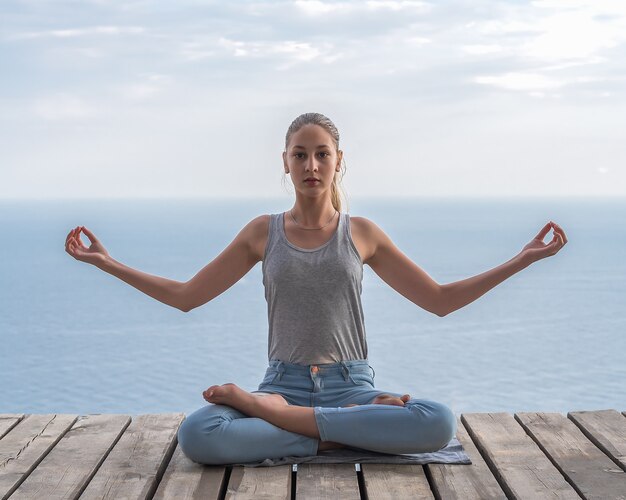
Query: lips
[310,179]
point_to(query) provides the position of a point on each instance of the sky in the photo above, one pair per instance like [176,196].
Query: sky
[467,98]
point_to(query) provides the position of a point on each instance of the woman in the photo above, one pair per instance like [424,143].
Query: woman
[318,392]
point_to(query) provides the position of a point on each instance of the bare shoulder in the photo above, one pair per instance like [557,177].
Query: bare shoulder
[366,236]
[362,225]
[255,233]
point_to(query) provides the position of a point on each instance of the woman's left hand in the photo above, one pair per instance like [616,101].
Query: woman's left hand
[537,249]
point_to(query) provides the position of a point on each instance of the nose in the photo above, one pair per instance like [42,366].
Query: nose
[311,165]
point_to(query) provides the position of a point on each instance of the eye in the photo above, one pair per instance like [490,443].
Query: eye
[325,153]
[297,155]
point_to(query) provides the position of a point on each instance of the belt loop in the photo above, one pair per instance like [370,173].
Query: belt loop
[345,370]
[281,369]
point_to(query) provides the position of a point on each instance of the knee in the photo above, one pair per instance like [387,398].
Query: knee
[445,426]
[437,425]
[198,436]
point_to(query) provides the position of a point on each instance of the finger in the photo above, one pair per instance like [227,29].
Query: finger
[71,234]
[77,237]
[89,234]
[544,230]
[559,229]
[556,237]
[561,241]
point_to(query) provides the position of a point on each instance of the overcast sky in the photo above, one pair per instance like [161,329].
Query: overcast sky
[109,98]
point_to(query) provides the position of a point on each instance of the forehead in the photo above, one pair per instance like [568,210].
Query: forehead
[311,136]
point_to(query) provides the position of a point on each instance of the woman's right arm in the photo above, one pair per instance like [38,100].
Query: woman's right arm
[215,278]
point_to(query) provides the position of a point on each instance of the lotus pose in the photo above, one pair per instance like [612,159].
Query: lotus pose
[318,391]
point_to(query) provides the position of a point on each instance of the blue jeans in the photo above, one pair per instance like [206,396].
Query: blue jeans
[219,434]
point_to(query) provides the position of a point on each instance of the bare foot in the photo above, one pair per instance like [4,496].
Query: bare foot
[244,401]
[387,399]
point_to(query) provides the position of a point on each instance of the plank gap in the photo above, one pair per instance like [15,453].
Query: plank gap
[431,482]
[483,453]
[545,451]
[103,458]
[225,481]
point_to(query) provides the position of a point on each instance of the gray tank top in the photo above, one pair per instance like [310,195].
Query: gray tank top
[314,297]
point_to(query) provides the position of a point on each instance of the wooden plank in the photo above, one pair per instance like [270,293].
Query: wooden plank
[185,479]
[606,429]
[66,470]
[330,481]
[592,474]
[516,461]
[465,481]
[26,445]
[136,464]
[393,481]
[263,483]
[8,421]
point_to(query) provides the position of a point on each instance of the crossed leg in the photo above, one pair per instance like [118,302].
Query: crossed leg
[274,409]
[220,433]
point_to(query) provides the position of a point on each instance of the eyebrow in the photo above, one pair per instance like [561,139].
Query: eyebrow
[320,146]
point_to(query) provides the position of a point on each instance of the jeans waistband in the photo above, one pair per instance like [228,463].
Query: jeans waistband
[341,367]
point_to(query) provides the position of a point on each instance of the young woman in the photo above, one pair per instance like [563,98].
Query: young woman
[318,391]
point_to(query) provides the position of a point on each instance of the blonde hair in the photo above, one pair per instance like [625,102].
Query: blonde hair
[329,126]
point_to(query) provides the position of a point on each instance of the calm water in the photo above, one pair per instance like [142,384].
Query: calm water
[75,339]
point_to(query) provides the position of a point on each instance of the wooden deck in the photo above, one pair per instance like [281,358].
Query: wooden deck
[522,456]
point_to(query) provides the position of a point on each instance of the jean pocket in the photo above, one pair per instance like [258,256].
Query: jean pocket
[270,376]
[361,378]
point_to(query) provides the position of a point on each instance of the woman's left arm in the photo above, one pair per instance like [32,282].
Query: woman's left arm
[460,293]
[408,279]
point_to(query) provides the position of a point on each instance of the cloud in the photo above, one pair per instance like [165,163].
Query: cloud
[552,30]
[289,52]
[300,51]
[532,81]
[520,81]
[317,7]
[573,35]
[80,32]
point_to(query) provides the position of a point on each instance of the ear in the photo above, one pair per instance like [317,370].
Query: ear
[285,162]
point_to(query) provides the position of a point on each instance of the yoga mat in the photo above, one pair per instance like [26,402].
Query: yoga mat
[452,453]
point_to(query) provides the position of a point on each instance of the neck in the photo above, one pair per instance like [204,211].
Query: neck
[312,213]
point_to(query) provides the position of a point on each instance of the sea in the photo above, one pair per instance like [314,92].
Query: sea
[75,339]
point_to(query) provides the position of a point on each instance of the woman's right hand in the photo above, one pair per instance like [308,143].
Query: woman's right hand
[96,253]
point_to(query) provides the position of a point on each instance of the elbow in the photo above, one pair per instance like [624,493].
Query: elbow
[442,303]
[181,299]
[184,306]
